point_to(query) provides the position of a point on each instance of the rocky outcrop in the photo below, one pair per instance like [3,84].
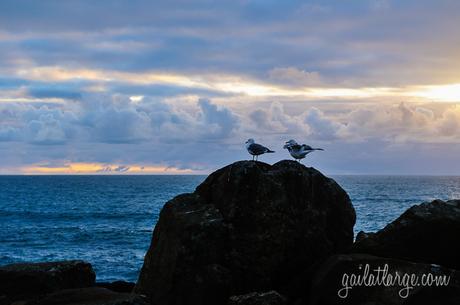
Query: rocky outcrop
[61,283]
[427,233]
[248,227]
[449,295]
[89,296]
[352,279]
[117,286]
[255,298]
[25,280]
[362,235]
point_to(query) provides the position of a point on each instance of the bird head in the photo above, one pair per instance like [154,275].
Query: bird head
[290,143]
[250,141]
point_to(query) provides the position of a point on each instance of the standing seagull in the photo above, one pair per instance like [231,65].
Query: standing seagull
[298,151]
[256,149]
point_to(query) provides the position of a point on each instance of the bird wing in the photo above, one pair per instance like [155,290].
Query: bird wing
[306,147]
[257,149]
[293,147]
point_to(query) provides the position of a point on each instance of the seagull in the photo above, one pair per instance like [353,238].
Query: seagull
[298,151]
[256,149]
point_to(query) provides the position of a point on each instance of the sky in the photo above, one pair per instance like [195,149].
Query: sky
[177,87]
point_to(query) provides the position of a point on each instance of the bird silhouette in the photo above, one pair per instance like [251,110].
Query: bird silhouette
[299,151]
[256,149]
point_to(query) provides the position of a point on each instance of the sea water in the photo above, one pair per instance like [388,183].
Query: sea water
[108,220]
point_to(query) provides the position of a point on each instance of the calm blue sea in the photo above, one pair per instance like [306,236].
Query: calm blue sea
[108,220]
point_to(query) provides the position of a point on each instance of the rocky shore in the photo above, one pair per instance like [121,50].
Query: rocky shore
[254,233]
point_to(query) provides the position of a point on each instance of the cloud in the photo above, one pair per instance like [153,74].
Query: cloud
[124,121]
[342,42]
[8,133]
[212,76]
[405,123]
[388,122]
[198,134]
[379,5]
[276,120]
[449,123]
[323,128]
[305,123]
[54,92]
[295,77]
[96,168]
[37,124]
[46,130]
[120,120]
[118,169]
[115,120]
[220,122]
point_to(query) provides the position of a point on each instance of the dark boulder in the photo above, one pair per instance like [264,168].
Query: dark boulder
[449,295]
[21,281]
[248,227]
[329,284]
[89,296]
[256,298]
[117,286]
[428,233]
[362,235]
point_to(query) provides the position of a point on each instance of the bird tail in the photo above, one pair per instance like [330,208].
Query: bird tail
[270,151]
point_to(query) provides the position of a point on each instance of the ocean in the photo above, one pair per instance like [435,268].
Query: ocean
[108,220]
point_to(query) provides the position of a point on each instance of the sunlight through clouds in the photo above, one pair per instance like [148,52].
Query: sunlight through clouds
[374,82]
[445,93]
[235,84]
[100,168]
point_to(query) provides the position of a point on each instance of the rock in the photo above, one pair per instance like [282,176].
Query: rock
[90,296]
[449,295]
[117,286]
[21,281]
[341,271]
[362,235]
[248,227]
[255,298]
[428,233]
[4,300]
